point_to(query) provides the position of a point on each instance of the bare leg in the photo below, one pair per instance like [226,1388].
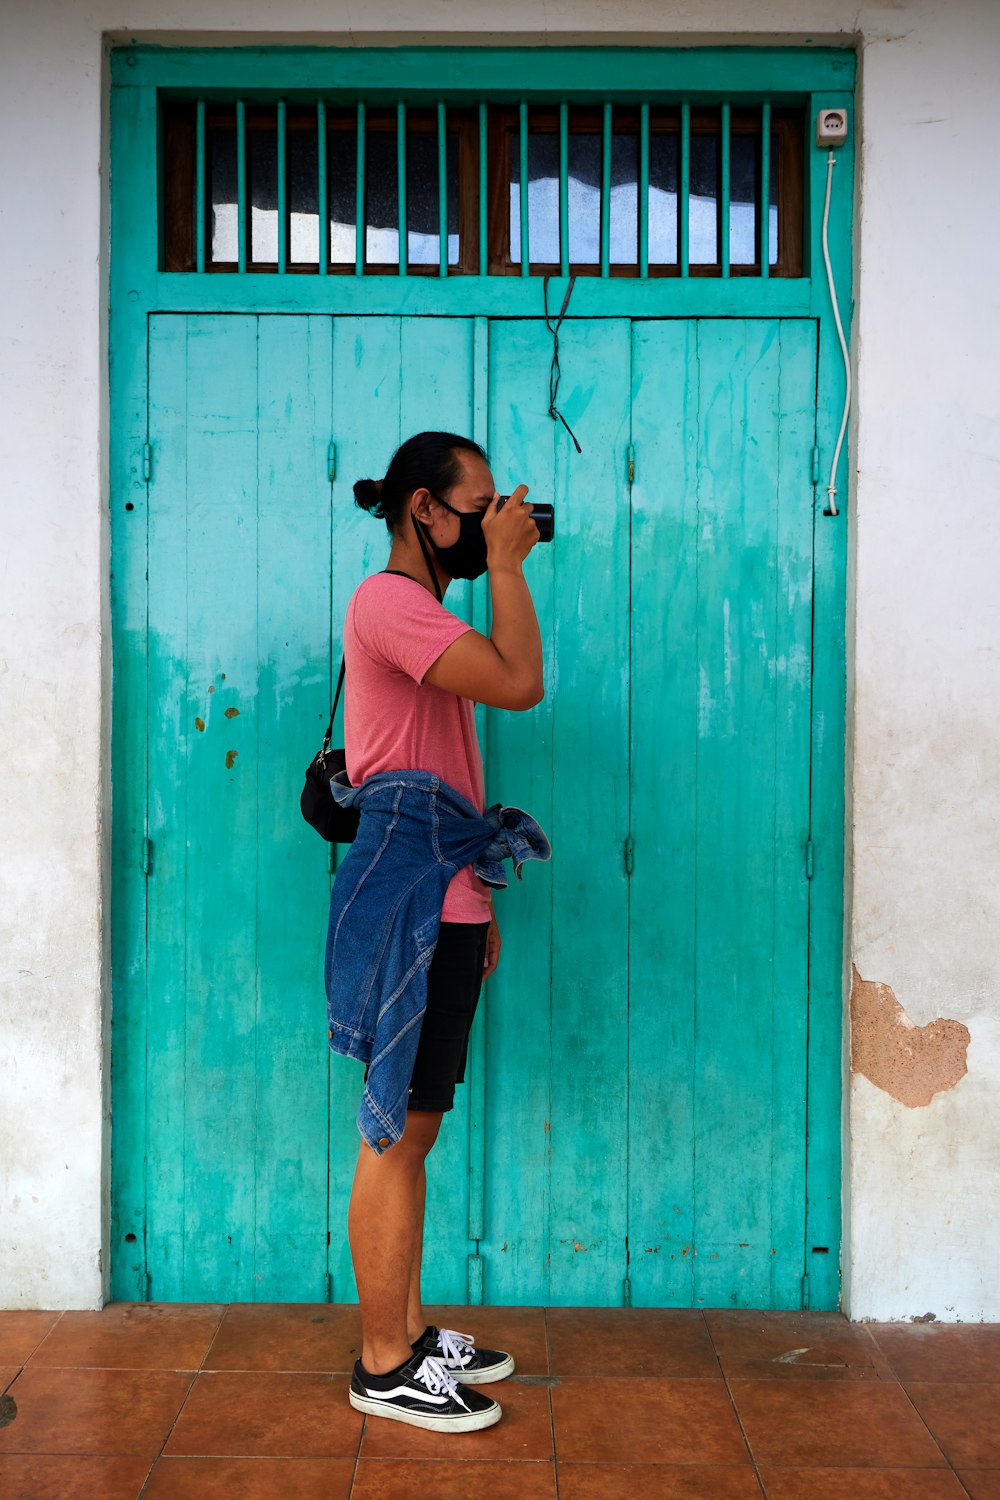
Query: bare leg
[381,1225]
[416,1322]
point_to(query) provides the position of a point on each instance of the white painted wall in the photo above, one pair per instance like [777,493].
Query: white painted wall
[923,844]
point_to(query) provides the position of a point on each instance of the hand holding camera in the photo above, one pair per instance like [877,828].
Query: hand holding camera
[512,527]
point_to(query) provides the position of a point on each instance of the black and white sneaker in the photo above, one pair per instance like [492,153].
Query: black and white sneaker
[460,1357]
[423,1393]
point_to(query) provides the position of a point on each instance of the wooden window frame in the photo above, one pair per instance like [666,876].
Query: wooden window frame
[178,152]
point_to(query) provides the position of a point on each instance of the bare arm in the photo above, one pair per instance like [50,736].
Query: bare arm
[503,669]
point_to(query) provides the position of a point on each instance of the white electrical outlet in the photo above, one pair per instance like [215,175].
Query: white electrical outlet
[831,127]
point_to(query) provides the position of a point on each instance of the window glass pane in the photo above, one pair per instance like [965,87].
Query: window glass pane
[703,202]
[422,199]
[743,151]
[543,197]
[583,193]
[664,163]
[220,156]
[342,192]
[381,196]
[262,165]
[624,200]
[585,198]
[303,196]
[772,217]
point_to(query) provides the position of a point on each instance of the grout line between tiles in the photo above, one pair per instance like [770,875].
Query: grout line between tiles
[552,1410]
[191,1385]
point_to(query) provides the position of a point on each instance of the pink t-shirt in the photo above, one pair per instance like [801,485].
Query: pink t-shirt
[394,631]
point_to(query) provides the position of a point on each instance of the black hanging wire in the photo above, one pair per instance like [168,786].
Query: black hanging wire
[554,370]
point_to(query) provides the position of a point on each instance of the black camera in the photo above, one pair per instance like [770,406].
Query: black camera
[542,515]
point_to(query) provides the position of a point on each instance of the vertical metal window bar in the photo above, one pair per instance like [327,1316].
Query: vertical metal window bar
[684,196]
[606,191]
[644,190]
[484,262]
[241,185]
[199,188]
[523,179]
[359,197]
[564,189]
[765,188]
[321,210]
[401,180]
[724,191]
[442,190]
[282,192]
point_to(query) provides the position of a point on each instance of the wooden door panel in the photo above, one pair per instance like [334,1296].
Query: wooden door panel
[556,1046]
[723,422]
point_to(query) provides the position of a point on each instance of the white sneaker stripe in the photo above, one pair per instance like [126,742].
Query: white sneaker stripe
[407,1390]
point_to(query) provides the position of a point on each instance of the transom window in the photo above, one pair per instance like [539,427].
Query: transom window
[500,190]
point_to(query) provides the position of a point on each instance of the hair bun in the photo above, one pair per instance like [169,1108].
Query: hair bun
[368,494]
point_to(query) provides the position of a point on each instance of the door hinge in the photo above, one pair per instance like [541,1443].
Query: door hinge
[147,460]
[328,1287]
[631,463]
[805,1289]
[809,859]
[147,856]
[629,855]
[331,459]
[815,466]
[626,1293]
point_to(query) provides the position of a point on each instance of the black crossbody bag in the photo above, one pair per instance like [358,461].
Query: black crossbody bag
[338,825]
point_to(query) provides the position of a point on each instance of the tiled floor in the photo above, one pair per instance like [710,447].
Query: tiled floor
[249,1402]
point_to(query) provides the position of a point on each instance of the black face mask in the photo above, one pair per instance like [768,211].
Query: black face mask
[465,558]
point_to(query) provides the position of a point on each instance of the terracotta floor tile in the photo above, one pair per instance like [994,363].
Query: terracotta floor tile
[965,1420]
[833,1423]
[132,1335]
[860,1484]
[250,1479]
[403,1479]
[266,1415]
[524,1432]
[685,1421]
[68,1476]
[93,1411]
[324,1337]
[519,1330]
[766,1345]
[671,1341]
[21,1331]
[656,1482]
[951,1351]
[981,1484]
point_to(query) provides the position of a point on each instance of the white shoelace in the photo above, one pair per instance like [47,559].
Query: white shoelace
[455,1345]
[437,1379]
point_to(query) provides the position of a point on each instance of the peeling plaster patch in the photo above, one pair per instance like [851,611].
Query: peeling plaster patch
[230,757]
[910,1062]
[232,713]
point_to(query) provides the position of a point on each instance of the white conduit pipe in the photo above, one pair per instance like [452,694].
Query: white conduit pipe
[831,489]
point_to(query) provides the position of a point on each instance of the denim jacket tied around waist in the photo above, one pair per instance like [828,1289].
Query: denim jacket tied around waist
[415,832]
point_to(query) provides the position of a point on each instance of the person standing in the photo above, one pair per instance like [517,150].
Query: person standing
[414,672]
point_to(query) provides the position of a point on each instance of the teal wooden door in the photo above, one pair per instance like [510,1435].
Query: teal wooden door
[723,423]
[633,1125]
[646,1040]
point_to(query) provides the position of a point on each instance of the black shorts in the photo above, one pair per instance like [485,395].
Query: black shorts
[454,980]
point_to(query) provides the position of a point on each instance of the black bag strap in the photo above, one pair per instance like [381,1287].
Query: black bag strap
[333,711]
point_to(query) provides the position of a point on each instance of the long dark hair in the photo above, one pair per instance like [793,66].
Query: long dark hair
[428,460]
